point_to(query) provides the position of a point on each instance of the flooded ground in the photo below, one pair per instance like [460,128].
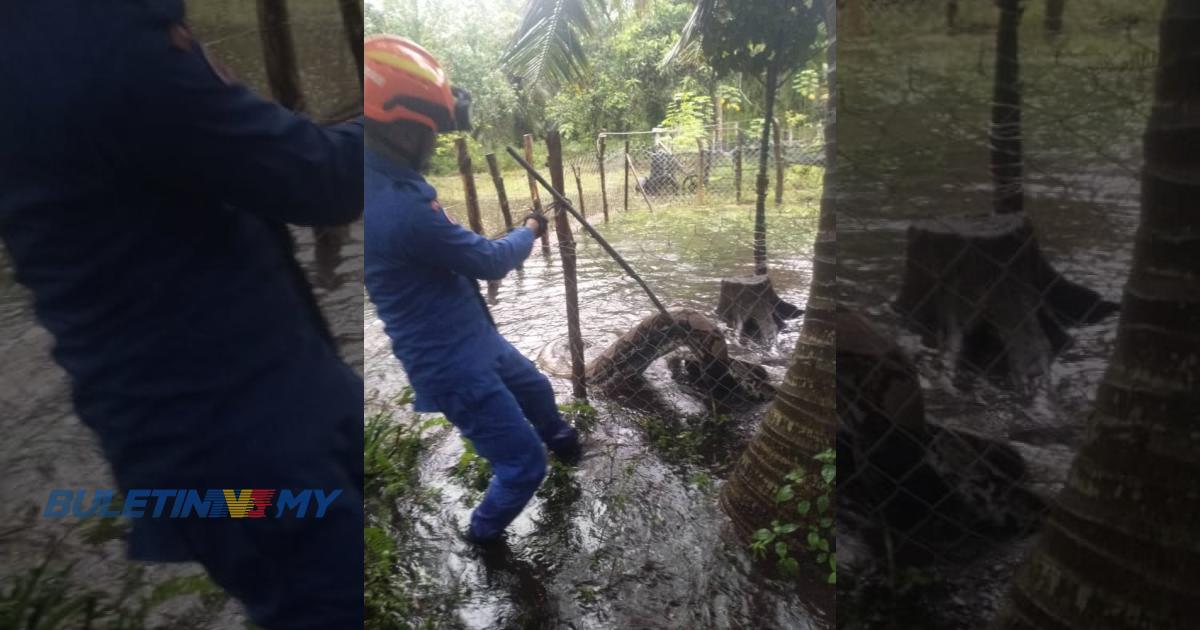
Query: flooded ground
[913,134]
[633,538]
[44,445]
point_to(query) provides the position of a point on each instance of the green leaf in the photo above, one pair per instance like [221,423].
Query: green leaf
[803,508]
[764,535]
[785,493]
[781,549]
[823,503]
[787,528]
[828,473]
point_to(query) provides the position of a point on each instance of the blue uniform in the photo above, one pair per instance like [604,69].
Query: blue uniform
[422,273]
[143,202]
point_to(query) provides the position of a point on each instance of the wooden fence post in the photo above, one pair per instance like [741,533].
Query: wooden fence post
[474,218]
[566,250]
[533,192]
[700,171]
[737,164]
[778,163]
[501,194]
[579,188]
[626,207]
[603,182]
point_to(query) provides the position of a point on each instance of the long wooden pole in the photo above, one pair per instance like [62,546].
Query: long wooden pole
[564,204]
[700,171]
[279,54]
[566,251]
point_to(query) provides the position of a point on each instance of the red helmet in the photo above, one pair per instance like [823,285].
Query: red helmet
[404,82]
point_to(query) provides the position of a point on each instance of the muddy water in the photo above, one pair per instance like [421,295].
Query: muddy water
[629,540]
[913,134]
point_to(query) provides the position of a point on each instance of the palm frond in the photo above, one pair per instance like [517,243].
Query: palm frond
[691,31]
[548,45]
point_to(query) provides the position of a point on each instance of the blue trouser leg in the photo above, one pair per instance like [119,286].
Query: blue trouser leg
[492,419]
[533,393]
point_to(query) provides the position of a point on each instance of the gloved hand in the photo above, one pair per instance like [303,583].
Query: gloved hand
[537,222]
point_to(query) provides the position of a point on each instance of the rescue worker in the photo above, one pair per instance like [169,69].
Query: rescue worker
[422,273]
[143,197]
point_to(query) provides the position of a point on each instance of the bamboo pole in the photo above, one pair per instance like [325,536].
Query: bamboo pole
[533,193]
[566,251]
[603,182]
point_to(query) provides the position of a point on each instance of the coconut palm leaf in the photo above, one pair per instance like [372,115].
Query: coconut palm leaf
[691,31]
[547,49]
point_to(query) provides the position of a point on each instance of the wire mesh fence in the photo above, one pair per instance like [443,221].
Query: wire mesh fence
[971,341]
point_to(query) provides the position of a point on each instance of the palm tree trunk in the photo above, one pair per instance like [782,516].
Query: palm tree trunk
[803,419]
[760,205]
[1054,15]
[1119,549]
[1005,131]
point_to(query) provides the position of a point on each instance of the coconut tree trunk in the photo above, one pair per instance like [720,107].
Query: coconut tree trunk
[1119,550]
[1005,131]
[802,420]
[760,204]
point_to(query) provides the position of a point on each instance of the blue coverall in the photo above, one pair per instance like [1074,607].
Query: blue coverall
[143,201]
[421,273]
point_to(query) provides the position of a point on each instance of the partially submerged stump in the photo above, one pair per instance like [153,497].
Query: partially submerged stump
[618,370]
[980,288]
[922,490]
[750,306]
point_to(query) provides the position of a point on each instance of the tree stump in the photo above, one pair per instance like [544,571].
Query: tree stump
[980,289]
[931,490]
[618,370]
[750,306]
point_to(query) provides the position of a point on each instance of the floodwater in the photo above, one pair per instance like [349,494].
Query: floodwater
[632,538]
[912,131]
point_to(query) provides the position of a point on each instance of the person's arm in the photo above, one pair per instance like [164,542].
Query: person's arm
[196,130]
[437,241]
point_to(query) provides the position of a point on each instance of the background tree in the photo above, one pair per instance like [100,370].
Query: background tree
[802,420]
[1119,549]
[769,38]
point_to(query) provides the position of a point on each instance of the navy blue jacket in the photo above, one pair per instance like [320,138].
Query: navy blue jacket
[421,273]
[142,200]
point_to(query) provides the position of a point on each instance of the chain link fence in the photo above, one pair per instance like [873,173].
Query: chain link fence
[970,341]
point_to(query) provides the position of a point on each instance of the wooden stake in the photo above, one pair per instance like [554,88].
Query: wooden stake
[629,166]
[566,250]
[498,182]
[700,171]
[579,188]
[778,163]
[627,163]
[352,21]
[603,183]
[737,164]
[472,197]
